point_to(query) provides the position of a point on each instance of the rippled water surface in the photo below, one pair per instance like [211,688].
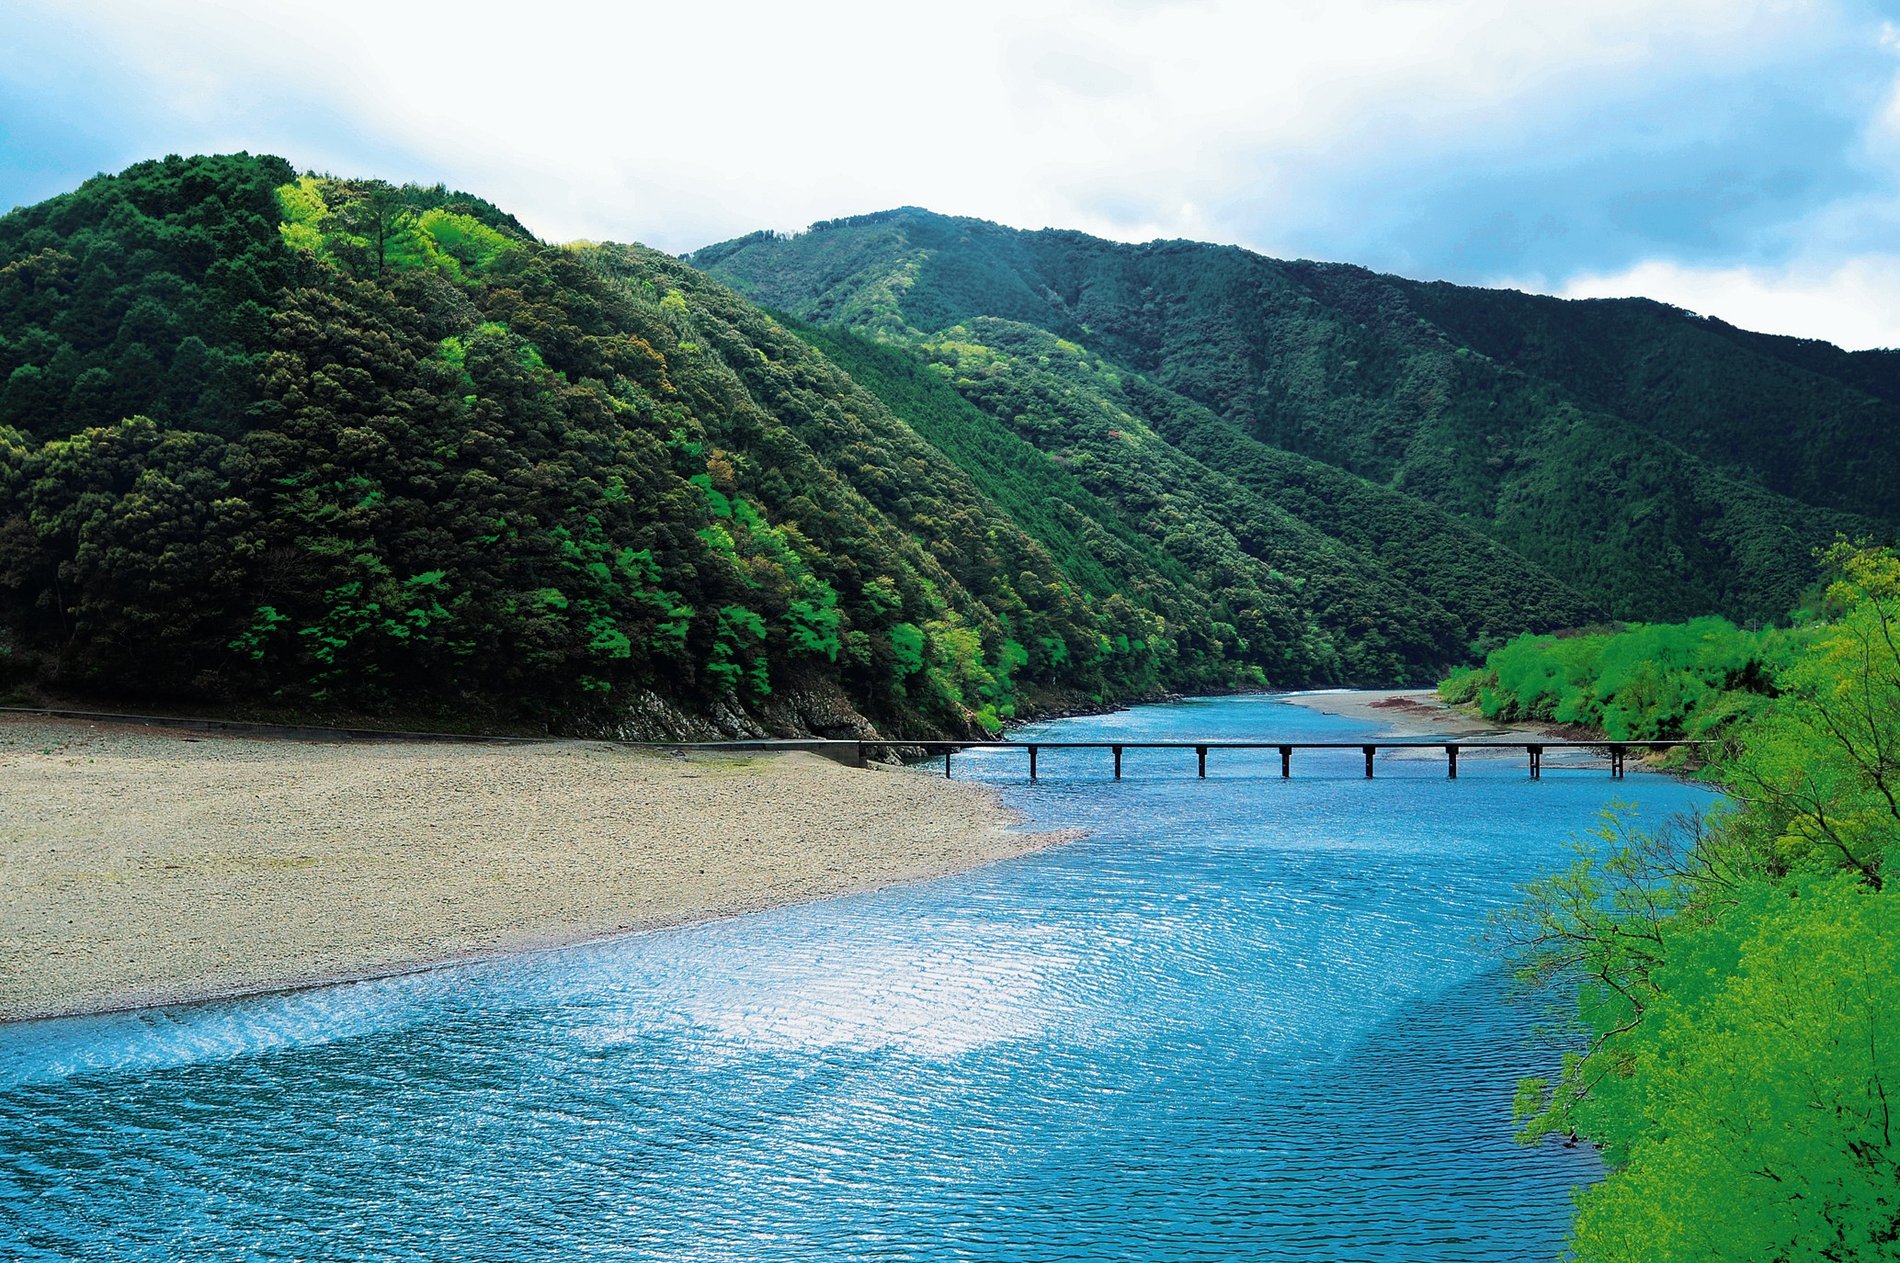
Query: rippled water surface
[1244,1019]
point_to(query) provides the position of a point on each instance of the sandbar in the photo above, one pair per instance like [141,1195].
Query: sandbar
[146,866]
[1405,713]
[1419,715]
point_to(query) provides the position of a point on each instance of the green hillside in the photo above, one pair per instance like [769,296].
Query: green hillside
[1658,464]
[1376,616]
[318,446]
[331,446]
[321,446]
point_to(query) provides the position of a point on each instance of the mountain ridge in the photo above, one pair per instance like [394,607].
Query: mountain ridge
[307,445]
[1743,443]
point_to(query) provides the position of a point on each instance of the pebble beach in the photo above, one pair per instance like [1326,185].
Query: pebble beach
[149,866]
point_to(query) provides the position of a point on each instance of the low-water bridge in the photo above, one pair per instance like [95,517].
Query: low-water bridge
[1616,751]
[853,753]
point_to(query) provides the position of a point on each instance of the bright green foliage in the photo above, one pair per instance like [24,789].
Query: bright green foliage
[305,213]
[1765,1062]
[956,669]
[907,647]
[1656,464]
[738,658]
[813,622]
[369,226]
[1821,772]
[252,640]
[457,243]
[1740,978]
[1653,681]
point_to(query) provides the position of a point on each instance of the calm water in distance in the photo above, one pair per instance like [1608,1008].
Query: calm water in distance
[1245,1019]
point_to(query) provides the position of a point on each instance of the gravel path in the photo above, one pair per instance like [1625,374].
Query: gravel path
[143,866]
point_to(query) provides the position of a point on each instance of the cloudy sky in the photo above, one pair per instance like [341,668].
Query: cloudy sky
[1738,157]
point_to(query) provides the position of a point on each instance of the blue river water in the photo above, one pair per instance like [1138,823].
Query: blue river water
[1245,1018]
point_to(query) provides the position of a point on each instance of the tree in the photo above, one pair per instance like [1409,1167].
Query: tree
[1740,981]
[1822,770]
[376,213]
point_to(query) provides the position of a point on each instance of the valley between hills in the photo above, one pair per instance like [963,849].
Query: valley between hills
[332,450]
[293,445]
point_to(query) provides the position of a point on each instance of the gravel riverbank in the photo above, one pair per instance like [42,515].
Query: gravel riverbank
[146,866]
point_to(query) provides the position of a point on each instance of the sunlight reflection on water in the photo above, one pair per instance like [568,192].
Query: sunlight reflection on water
[1244,1019]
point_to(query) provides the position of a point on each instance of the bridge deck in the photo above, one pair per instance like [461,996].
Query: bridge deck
[852,752]
[1616,751]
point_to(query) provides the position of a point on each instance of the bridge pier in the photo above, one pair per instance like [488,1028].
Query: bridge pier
[855,752]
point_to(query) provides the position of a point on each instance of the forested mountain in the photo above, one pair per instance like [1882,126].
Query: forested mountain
[1660,464]
[331,443]
[328,446]
[1390,582]
[317,445]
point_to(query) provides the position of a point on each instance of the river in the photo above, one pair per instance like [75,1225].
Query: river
[1244,1018]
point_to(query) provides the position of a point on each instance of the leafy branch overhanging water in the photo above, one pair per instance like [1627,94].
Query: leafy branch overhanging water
[1739,975]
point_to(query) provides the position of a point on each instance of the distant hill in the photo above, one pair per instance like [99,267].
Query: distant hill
[1626,456]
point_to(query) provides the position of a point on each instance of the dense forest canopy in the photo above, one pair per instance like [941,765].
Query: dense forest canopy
[308,444]
[324,442]
[1654,464]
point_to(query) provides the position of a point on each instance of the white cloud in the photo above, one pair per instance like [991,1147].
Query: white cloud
[679,123]
[1853,303]
[1416,135]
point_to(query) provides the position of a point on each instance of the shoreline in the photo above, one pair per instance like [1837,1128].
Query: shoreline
[1418,713]
[1406,712]
[150,867]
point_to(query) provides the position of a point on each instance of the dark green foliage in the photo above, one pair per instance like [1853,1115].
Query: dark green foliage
[428,463]
[1803,419]
[1660,465]
[1278,594]
[1490,591]
[1094,545]
[325,442]
[145,292]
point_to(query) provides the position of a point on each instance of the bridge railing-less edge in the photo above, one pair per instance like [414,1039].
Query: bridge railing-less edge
[1616,752]
[855,752]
